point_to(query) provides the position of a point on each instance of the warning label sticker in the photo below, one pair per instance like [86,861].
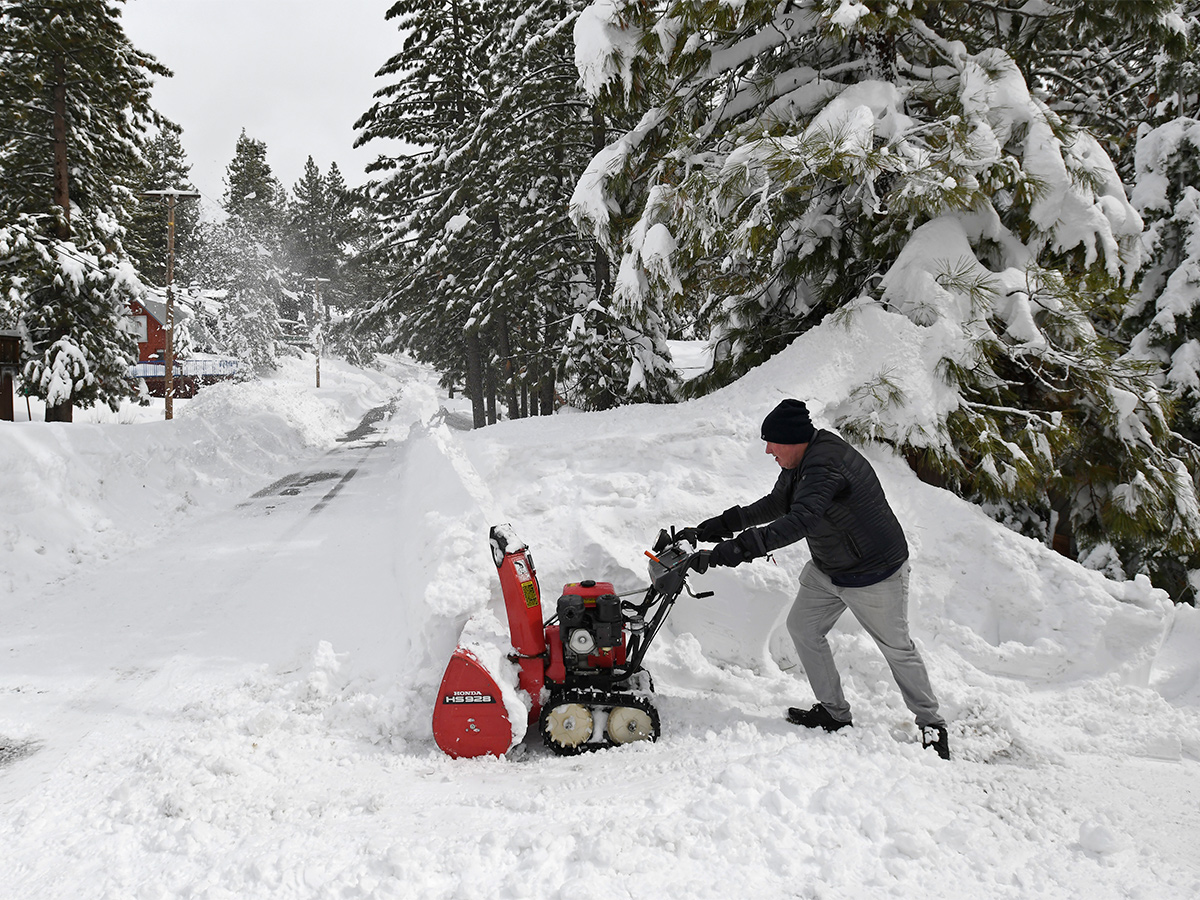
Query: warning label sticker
[522,569]
[531,595]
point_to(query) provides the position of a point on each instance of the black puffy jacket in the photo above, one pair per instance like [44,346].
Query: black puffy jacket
[834,499]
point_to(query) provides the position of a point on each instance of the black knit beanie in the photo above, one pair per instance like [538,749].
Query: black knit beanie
[788,423]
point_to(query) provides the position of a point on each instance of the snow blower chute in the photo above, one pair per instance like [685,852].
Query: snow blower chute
[581,671]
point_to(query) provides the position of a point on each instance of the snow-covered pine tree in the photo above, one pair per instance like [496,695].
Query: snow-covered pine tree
[531,144]
[76,107]
[308,238]
[1163,317]
[320,236]
[438,84]
[252,192]
[309,232]
[1094,64]
[621,337]
[821,157]
[244,257]
[361,277]
[491,270]
[343,227]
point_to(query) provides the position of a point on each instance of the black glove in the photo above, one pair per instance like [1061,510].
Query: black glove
[720,527]
[726,553]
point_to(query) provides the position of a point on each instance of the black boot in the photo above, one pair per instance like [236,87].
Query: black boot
[817,717]
[935,736]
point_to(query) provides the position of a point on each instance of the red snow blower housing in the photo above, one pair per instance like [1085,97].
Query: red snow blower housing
[581,671]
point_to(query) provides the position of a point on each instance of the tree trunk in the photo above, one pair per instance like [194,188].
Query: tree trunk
[504,346]
[6,398]
[545,386]
[1062,530]
[62,191]
[63,412]
[474,386]
[489,379]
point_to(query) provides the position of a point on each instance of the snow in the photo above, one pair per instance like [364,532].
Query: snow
[604,48]
[223,635]
[68,371]
[1152,156]
[846,16]
[1175,236]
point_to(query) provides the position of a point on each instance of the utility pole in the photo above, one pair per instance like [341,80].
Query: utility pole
[318,332]
[170,196]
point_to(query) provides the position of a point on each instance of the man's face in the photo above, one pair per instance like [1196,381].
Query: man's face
[787,455]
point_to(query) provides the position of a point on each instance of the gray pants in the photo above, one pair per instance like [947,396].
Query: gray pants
[883,611]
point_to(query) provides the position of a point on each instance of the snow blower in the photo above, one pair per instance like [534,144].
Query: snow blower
[580,671]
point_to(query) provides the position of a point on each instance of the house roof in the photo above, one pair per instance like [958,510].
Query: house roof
[158,308]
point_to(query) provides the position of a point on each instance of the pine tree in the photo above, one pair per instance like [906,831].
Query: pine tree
[491,268]
[146,236]
[821,158]
[360,276]
[1162,319]
[323,235]
[244,257]
[1164,316]
[310,228]
[343,228]
[531,145]
[617,346]
[76,107]
[1093,64]
[310,248]
[438,86]
[252,192]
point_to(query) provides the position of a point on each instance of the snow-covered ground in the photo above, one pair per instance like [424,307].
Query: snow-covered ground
[222,637]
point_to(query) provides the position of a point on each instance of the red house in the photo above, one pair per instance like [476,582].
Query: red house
[146,322]
[148,316]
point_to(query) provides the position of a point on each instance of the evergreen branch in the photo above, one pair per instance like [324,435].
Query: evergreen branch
[29,134]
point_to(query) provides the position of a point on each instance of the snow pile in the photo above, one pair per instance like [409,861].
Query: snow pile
[249,715]
[87,490]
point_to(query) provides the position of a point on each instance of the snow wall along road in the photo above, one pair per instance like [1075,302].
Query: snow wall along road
[588,492]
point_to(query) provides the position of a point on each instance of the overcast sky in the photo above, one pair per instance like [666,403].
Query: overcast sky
[295,74]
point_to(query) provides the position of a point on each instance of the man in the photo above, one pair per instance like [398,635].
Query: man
[828,494]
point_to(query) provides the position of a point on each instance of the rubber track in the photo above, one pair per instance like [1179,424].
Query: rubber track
[594,700]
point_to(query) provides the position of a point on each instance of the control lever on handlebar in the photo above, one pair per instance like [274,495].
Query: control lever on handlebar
[671,538]
[698,563]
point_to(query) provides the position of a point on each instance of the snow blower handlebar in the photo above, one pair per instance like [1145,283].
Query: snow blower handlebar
[674,562]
